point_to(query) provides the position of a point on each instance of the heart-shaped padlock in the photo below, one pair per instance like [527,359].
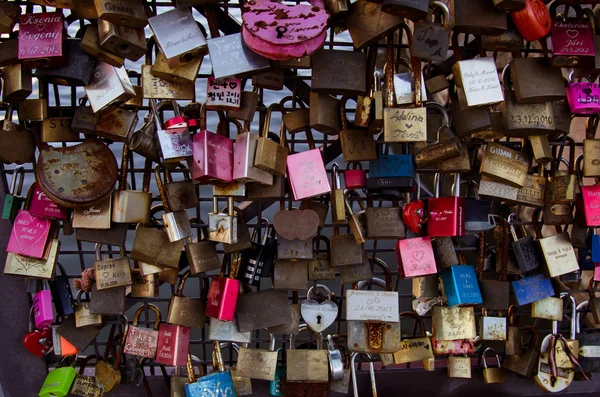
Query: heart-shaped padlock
[319,316]
[38,342]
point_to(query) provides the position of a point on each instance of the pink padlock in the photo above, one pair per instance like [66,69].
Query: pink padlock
[213,154]
[173,344]
[596,271]
[415,257]
[584,97]
[307,174]
[42,309]
[591,204]
[42,207]
[354,176]
[29,235]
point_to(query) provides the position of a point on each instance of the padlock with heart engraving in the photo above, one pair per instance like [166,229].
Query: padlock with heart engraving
[318,316]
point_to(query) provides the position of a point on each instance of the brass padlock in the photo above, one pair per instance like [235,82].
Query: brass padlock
[16,83]
[477,17]
[319,268]
[112,272]
[357,144]
[183,74]
[83,317]
[494,374]
[271,156]
[339,72]
[186,311]
[324,113]
[367,23]
[290,274]
[33,109]
[202,255]
[298,119]
[177,223]
[124,41]
[248,104]
[337,198]
[384,223]
[84,118]
[122,12]
[345,251]
[9,51]
[181,195]
[144,286]
[528,90]
[9,12]
[116,124]
[58,129]
[131,206]
[91,44]
[270,80]
[504,165]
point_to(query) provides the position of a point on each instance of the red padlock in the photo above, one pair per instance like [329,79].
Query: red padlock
[41,40]
[446,214]
[354,176]
[413,213]
[39,341]
[173,344]
[177,124]
[533,21]
[223,293]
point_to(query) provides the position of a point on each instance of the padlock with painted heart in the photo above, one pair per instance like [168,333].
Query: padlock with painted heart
[413,213]
[319,316]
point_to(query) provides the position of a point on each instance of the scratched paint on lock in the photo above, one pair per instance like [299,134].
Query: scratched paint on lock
[141,342]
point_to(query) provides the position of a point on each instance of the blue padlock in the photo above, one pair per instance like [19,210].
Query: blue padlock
[276,385]
[216,384]
[532,288]
[461,286]
[595,246]
[392,165]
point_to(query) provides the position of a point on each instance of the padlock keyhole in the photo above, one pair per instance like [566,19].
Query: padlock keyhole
[319,319]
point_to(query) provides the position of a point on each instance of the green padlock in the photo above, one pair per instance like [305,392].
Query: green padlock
[13,200]
[59,381]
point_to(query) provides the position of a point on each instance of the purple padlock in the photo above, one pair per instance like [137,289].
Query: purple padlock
[583,97]
[42,309]
[43,207]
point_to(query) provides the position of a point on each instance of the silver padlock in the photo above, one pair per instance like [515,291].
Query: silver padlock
[174,147]
[109,85]
[177,223]
[222,228]
[336,363]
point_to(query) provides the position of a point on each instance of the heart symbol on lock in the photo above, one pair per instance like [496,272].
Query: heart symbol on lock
[408,126]
[587,90]
[390,163]
[319,316]
[29,226]
[418,255]
[572,33]
[105,274]
[40,26]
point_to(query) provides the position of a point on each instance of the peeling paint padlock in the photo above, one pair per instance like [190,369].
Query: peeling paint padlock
[492,328]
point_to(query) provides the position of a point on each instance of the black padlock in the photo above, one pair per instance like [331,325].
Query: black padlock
[77,72]
[61,293]
[257,261]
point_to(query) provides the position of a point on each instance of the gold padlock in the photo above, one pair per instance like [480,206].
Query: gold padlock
[58,129]
[127,42]
[271,156]
[183,74]
[33,109]
[91,44]
[116,124]
[122,12]
[17,83]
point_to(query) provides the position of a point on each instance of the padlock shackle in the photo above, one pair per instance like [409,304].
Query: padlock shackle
[358,199]
[138,313]
[317,240]
[371,374]
[335,176]
[217,357]
[445,11]
[267,123]
[590,287]
[309,294]
[573,328]
[512,315]
[535,335]
[18,173]
[418,318]
[161,189]
[305,327]
[581,308]
[493,352]
[181,283]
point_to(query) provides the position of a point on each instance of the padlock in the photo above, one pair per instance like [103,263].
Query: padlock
[84,385]
[108,376]
[478,216]
[432,40]
[491,327]
[83,317]
[243,233]
[122,12]
[9,13]
[415,10]
[230,57]
[524,120]
[58,129]
[173,147]
[318,316]
[124,41]
[461,286]
[257,363]
[37,341]
[60,286]
[571,40]
[540,146]
[202,255]
[512,345]
[279,313]
[41,40]
[223,227]
[77,72]
[391,172]
[59,382]
[532,288]
[246,105]
[298,119]
[219,382]
[524,248]
[185,311]
[441,150]
[533,22]
[17,83]
[270,80]
[559,255]
[354,176]
[130,206]
[504,165]
[415,256]
[108,86]
[290,274]
[453,323]
[154,87]
[494,374]
[324,114]
[319,268]
[29,235]
[459,367]
[142,342]
[344,249]
[91,44]
[173,344]
[476,18]
[245,150]
[446,214]
[347,78]
[13,200]
[182,74]
[368,331]
[550,308]
[526,91]
[588,342]
[43,312]
[213,154]
[112,272]
[524,363]
[509,41]
[223,293]
[177,224]
[414,349]
[313,378]
[444,251]
[181,195]
[356,221]
[271,156]
[258,261]
[472,94]
[307,174]
[594,303]
[143,285]
[367,23]
[357,144]
[583,97]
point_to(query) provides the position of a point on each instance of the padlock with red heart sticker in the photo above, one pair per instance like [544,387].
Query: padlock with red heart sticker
[38,342]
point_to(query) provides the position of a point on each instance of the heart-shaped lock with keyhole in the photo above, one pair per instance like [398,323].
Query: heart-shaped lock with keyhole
[319,316]
[38,342]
